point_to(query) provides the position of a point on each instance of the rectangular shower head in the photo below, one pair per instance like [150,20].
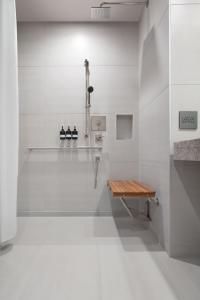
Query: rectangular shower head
[100,13]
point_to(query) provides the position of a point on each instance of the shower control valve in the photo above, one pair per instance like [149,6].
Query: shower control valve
[98,138]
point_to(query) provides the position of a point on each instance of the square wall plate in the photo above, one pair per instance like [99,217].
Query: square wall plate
[188,119]
[98,123]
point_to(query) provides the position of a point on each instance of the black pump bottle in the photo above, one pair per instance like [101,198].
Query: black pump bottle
[74,134]
[68,134]
[62,134]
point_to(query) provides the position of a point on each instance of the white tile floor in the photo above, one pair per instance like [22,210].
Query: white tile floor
[101,258]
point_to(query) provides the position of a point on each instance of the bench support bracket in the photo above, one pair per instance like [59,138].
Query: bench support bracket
[135,213]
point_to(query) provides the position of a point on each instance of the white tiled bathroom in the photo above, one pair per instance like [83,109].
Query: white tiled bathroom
[100,150]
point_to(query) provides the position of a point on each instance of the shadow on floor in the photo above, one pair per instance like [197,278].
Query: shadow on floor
[135,235]
[5,249]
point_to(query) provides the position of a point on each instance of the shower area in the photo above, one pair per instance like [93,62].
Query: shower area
[99,99]
[64,80]
[99,150]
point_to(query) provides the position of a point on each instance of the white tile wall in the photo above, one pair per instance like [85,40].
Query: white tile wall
[185,92]
[185,209]
[155,58]
[185,24]
[112,94]
[176,221]
[184,97]
[152,16]
[115,94]
[185,1]
[154,139]
[156,174]
[52,93]
[154,130]
[40,43]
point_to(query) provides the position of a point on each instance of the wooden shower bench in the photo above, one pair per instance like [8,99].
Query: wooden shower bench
[124,189]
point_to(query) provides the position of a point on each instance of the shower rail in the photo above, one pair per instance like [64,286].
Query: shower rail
[66,148]
[88,90]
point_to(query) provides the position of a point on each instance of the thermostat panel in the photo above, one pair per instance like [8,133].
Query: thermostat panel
[188,119]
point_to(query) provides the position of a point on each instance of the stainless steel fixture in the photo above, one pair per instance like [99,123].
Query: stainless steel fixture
[88,90]
[102,12]
[97,162]
[87,148]
[136,213]
[66,148]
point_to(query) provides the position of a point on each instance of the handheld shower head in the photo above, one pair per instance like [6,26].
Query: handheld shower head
[90,89]
[86,63]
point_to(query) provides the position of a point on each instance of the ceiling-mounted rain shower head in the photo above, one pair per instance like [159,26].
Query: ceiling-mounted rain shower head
[103,11]
[100,13]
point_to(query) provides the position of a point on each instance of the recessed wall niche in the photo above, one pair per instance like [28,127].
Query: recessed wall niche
[124,125]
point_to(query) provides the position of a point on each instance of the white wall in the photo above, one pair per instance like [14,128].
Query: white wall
[185,95]
[154,136]
[9,120]
[52,93]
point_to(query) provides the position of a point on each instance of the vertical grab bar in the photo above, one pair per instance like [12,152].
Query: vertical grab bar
[88,90]
[87,105]
[97,161]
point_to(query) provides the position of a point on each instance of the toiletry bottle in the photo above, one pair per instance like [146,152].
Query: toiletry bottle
[62,134]
[68,134]
[74,134]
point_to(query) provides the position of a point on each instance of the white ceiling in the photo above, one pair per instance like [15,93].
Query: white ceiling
[71,10]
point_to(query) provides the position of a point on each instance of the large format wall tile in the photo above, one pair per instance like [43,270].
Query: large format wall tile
[152,17]
[185,2]
[57,45]
[156,11]
[52,94]
[154,130]
[62,186]
[185,209]
[185,92]
[154,127]
[68,186]
[185,44]
[31,90]
[64,182]
[155,61]
[115,89]
[156,175]
[124,170]
[45,90]
[184,97]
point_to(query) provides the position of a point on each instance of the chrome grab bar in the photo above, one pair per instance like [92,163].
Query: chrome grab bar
[97,161]
[66,148]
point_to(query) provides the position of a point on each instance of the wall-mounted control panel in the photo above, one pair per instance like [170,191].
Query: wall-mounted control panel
[98,123]
[188,120]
